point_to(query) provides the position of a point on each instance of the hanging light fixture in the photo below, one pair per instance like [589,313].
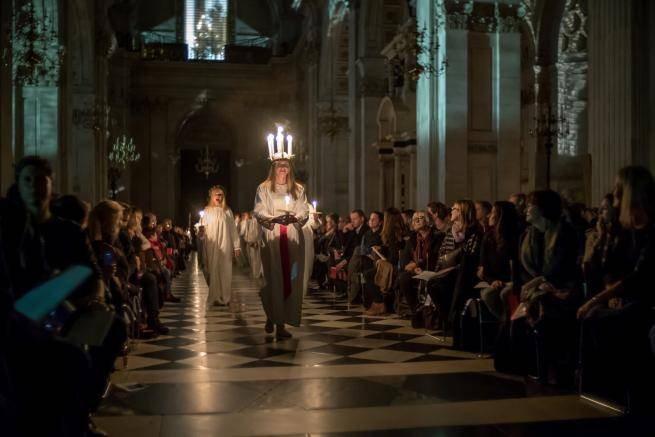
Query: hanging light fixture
[123,153]
[207,163]
[32,47]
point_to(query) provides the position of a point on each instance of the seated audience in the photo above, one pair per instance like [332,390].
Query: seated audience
[327,244]
[70,207]
[551,287]
[440,215]
[380,263]
[35,245]
[353,232]
[617,320]
[421,253]
[482,211]
[498,255]
[458,261]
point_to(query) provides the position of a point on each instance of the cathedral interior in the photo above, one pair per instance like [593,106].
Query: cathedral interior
[393,105]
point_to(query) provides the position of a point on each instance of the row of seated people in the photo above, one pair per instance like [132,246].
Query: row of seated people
[57,368]
[563,283]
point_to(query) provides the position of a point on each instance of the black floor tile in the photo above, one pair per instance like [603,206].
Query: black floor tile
[393,336]
[459,387]
[351,360]
[168,366]
[173,342]
[409,347]
[337,349]
[327,338]
[259,351]
[172,354]
[424,358]
[263,363]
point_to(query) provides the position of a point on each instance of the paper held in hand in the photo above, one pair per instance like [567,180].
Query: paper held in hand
[482,284]
[379,255]
[427,275]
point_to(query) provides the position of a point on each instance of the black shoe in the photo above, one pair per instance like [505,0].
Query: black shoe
[94,430]
[158,327]
[171,298]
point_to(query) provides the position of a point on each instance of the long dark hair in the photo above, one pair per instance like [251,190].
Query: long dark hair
[294,187]
[506,229]
[393,228]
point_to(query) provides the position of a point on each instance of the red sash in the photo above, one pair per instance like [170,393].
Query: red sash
[286,264]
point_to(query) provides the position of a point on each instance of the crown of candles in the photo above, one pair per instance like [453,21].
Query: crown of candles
[277,147]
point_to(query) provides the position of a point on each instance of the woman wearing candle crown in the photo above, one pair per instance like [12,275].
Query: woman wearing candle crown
[281,210]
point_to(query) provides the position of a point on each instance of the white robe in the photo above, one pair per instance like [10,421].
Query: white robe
[221,239]
[253,239]
[268,205]
[308,232]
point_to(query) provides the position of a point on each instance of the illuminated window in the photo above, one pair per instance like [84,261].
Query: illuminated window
[206,28]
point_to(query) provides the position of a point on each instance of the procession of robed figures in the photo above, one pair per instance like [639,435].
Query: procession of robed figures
[276,241]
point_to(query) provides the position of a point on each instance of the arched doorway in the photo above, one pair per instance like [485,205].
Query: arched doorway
[202,139]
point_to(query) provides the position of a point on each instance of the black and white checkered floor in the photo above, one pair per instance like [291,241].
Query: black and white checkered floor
[331,333]
[219,373]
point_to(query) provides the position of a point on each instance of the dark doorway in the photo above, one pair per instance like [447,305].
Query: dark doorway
[193,192]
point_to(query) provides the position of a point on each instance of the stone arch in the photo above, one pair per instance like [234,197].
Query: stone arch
[386,119]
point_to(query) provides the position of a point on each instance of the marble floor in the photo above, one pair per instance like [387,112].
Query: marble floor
[218,374]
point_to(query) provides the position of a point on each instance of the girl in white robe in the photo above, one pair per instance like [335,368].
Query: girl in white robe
[308,230]
[281,210]
[220,244]
[253,239]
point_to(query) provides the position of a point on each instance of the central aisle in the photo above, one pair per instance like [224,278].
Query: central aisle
[218,373]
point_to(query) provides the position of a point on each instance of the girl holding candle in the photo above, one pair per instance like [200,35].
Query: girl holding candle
[221,243]
[281,209]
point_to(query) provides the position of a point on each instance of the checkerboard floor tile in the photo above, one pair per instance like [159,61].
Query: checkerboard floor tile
[331,333]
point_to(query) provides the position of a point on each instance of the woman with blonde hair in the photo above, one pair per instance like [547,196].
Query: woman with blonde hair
[221,244]
[281,209]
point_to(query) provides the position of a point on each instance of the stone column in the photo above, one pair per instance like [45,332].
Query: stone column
[354,113]
[372,90]
[6,122]
[508,78]
[615,122]
[430,158]
[456,117]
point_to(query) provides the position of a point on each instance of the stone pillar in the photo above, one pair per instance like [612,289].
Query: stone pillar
[161,186]
[430,158]
[354,113]
[508,76]
[386,181]
[616,125]
[411,183]
[372,91]
[456,117]
[6,121]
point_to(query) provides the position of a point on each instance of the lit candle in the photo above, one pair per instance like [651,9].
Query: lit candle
[290,141]
[314,203]
[201,214]
[287,199]
[280,140]
[271,145]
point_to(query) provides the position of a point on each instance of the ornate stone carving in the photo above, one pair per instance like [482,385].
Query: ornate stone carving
[573,31]
[483,17]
